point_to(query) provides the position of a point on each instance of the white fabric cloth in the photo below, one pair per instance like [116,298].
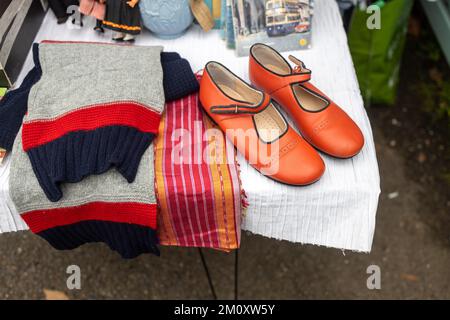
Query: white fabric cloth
[339,210]
[9,218]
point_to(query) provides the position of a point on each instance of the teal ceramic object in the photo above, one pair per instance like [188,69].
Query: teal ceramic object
[167,19]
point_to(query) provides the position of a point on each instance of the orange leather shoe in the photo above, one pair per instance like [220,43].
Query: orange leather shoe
[322,122]
[257,128]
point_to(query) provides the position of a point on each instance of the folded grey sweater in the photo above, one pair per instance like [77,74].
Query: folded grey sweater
[91,119]
[96,106]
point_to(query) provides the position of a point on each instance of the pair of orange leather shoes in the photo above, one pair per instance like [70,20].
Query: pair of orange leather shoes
[259,131]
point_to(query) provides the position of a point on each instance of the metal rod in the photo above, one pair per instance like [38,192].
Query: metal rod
[208,275]
[236,274]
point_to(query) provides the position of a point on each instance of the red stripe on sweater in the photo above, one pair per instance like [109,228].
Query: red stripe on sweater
[124,44]
[132,114]
[125,212]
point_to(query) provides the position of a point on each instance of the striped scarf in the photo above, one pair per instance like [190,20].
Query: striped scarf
[200,201]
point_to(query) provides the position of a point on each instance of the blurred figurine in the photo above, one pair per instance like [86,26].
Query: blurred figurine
[124,18]
[94,8]
[61,9]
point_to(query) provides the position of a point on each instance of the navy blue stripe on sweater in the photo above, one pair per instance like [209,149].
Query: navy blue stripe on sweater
[129,240]
[79,154]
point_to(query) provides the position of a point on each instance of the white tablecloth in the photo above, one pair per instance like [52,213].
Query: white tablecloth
[339,210]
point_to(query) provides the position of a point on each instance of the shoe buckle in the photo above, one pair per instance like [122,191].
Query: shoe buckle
[299,65]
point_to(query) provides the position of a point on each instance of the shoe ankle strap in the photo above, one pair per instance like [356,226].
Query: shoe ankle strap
[242,108]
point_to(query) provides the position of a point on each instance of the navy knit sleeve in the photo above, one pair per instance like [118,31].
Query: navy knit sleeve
[178,79]
[14,105]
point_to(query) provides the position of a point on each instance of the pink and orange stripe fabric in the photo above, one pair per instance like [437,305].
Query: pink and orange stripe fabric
[197,180]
